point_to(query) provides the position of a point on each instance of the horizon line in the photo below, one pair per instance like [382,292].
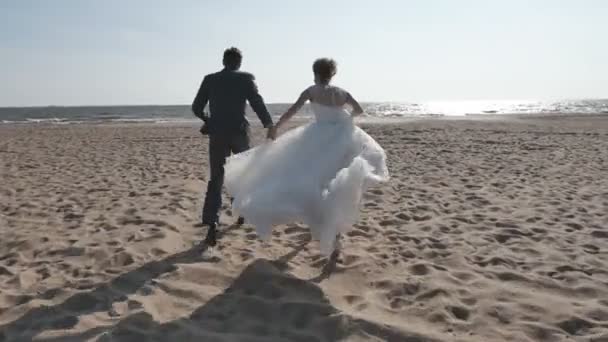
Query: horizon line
[282,103]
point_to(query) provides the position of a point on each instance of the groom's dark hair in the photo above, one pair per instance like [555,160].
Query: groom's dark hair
[233,58]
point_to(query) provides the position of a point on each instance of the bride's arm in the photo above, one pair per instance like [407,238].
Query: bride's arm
[357,110]
[305,96]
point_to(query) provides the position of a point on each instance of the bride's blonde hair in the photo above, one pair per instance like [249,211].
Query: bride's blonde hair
[325,69]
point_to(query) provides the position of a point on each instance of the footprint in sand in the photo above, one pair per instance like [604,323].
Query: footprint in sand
[352,299]
[422,218]
[358,233]
[576,326]
[419,269]
[460,312]
[432,294]
[591,249]
[601,234]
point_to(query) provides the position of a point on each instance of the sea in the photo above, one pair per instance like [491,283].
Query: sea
[380,111]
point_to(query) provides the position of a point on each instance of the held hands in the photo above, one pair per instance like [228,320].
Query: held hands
[272,133]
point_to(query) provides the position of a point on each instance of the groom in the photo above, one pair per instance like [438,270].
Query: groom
[227,92]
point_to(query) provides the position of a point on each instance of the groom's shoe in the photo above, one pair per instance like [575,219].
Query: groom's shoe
[211,240]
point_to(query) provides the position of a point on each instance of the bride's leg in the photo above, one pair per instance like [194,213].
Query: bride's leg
[337,243]
[241,220]
[337,248]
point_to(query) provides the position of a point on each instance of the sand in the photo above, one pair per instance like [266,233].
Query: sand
[489,230]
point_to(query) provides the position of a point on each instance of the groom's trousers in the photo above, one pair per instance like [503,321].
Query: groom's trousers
[220,147]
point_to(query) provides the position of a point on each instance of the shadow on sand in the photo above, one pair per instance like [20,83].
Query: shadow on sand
[264,303]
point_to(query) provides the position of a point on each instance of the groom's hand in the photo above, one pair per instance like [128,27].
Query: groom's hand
[272,133]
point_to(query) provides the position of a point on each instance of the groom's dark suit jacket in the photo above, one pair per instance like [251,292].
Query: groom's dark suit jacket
[227,92]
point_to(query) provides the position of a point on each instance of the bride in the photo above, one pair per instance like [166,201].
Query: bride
[315,174]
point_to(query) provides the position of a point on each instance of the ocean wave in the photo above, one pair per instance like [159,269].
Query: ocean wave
[377,110]
[45,120]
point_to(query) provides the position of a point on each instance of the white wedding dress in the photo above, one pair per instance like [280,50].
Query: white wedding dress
[315,174]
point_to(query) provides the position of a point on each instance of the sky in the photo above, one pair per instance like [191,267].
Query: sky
[115,52]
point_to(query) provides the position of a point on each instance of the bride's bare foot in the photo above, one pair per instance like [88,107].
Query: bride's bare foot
[334,255]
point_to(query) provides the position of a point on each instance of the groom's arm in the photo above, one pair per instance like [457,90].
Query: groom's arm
[201,99]
[257,102]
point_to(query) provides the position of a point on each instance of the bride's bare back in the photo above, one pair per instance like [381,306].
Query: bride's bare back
[321,93]
[325,95]
[332,96]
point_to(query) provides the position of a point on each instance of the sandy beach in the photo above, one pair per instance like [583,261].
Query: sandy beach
[489,230]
